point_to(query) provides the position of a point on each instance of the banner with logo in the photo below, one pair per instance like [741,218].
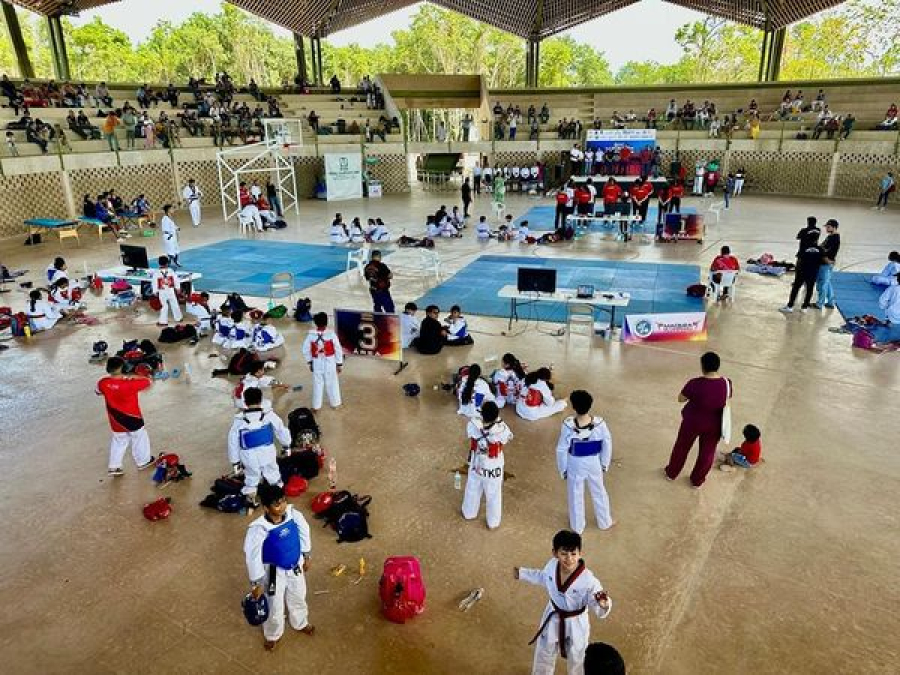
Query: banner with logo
[676,327]
[343,176]
[616,139]
[368,333]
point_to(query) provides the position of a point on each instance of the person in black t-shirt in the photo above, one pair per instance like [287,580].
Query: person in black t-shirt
[432,333]
[811,230]
[379,277]
[830,247]
[808,263]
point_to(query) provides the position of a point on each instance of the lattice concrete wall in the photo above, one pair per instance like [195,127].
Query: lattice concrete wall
[308,170]
[859,176]
[156,181]
[392,171]
[204,172]
[521,158]
[800,173]
[30,195]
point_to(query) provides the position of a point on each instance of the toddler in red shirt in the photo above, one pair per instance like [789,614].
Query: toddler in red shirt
[746,456]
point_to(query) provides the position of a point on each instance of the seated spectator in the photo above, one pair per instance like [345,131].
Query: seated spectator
[671,110]
[101,93]
[545,114]
[847,126]
[890,119]
[335,84]
[8,89]
[431,333]
[819,103]
[651,118]
[724,262]
[88,208]
[890,301]
[33,135]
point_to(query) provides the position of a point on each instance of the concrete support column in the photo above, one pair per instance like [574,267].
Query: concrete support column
[832,174]
[58,48]
[301,56]
[532,62]
[26,70]
[315,44]
[775,54]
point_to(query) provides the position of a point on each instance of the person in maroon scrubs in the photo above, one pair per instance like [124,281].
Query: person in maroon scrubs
[701,418]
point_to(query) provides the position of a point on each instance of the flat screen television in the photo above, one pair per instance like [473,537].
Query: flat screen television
[134,257]
[536,280]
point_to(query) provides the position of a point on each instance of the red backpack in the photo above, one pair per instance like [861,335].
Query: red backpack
[401,589]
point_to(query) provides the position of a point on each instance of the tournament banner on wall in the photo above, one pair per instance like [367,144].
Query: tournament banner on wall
[616,139]
[676,327]
[343,176]
[368,333]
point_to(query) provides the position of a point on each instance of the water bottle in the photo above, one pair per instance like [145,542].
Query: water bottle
[332,473]
[27,332]
[188,374]
[457,481]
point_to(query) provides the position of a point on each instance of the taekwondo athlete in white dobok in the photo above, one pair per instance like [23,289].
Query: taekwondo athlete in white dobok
[473,392]
[890,302]
[583,454]
[277,548]
[325,356]
[191,195]
[224,326]
[536,400]
[487,436]
[889,274]
[565,627]
[254,380]
[170,236]
[266,337]
[251,443]
[164,282]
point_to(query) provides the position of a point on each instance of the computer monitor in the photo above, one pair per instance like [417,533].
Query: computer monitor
[536,280]
[134,257]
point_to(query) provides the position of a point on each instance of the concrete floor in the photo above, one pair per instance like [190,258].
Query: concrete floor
[791,568]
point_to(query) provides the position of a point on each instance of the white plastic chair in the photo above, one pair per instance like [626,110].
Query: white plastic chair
[716,209]
[246,224]
[579,314]
[280,283]
[431,262]
[727,282]
[359,256]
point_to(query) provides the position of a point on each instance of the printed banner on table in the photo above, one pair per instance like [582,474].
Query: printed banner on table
[678,327]
[343,176]
[616,139]
[368,333]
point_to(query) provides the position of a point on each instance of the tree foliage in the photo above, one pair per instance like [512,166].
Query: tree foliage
[862,38]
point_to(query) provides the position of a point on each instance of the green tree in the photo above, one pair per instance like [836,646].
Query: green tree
[100,52]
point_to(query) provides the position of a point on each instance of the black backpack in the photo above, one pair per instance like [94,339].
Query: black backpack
[242,363]
[305,464]
[349,516]
[303,311]
[302,420]
[234,303]
[227,485]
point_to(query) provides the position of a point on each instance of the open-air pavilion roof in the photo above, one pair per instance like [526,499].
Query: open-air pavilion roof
[525,18]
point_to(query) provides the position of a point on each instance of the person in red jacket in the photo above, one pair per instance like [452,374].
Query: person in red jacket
[663,199]
[677,194]
[120,392]
[611,193]
[624,159]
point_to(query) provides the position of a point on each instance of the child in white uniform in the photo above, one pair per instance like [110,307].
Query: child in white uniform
[170,236]
[889,274]
[251,443]
[583,454]
[508,380]
[473,392]
[325,356]
[58,270]
[241,334]
[432,227]
[565,627]
[357,235]
[890,301]
[164,283]
[524,232]
[257,379]
[198,307]
[338,233]
[379,232]
[224,326]
[487,437]
[279,539]
[457,328]
[41,314]
[483,229]
[409,325]
[266,337]
[536,397]
[65,300]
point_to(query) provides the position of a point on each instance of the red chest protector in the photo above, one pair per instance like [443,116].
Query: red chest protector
[322,347]
[165,281]
[533,398]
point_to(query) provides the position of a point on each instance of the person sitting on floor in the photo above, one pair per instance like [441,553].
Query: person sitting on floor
[431,333]
[64,299]
[409,327]
[339,233]
[266,337]
[357,234]
[536,396]
[483,229]
[748,455]
[41,314]
[198,307]
[457,328]
[889,274]
[379,232]
[432,227]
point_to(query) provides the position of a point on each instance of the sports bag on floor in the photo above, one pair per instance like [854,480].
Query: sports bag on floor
[402,589]
[302,420]
[348,515]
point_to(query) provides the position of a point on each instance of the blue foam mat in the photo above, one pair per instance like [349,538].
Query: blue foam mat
[654,288]
[856,296]
[246,266]
[542,219]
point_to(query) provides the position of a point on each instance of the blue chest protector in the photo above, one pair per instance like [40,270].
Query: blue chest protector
[282,546]
[478,399]
[262,337]
[251,439]
[580,448]
[239,332]
[224,330]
